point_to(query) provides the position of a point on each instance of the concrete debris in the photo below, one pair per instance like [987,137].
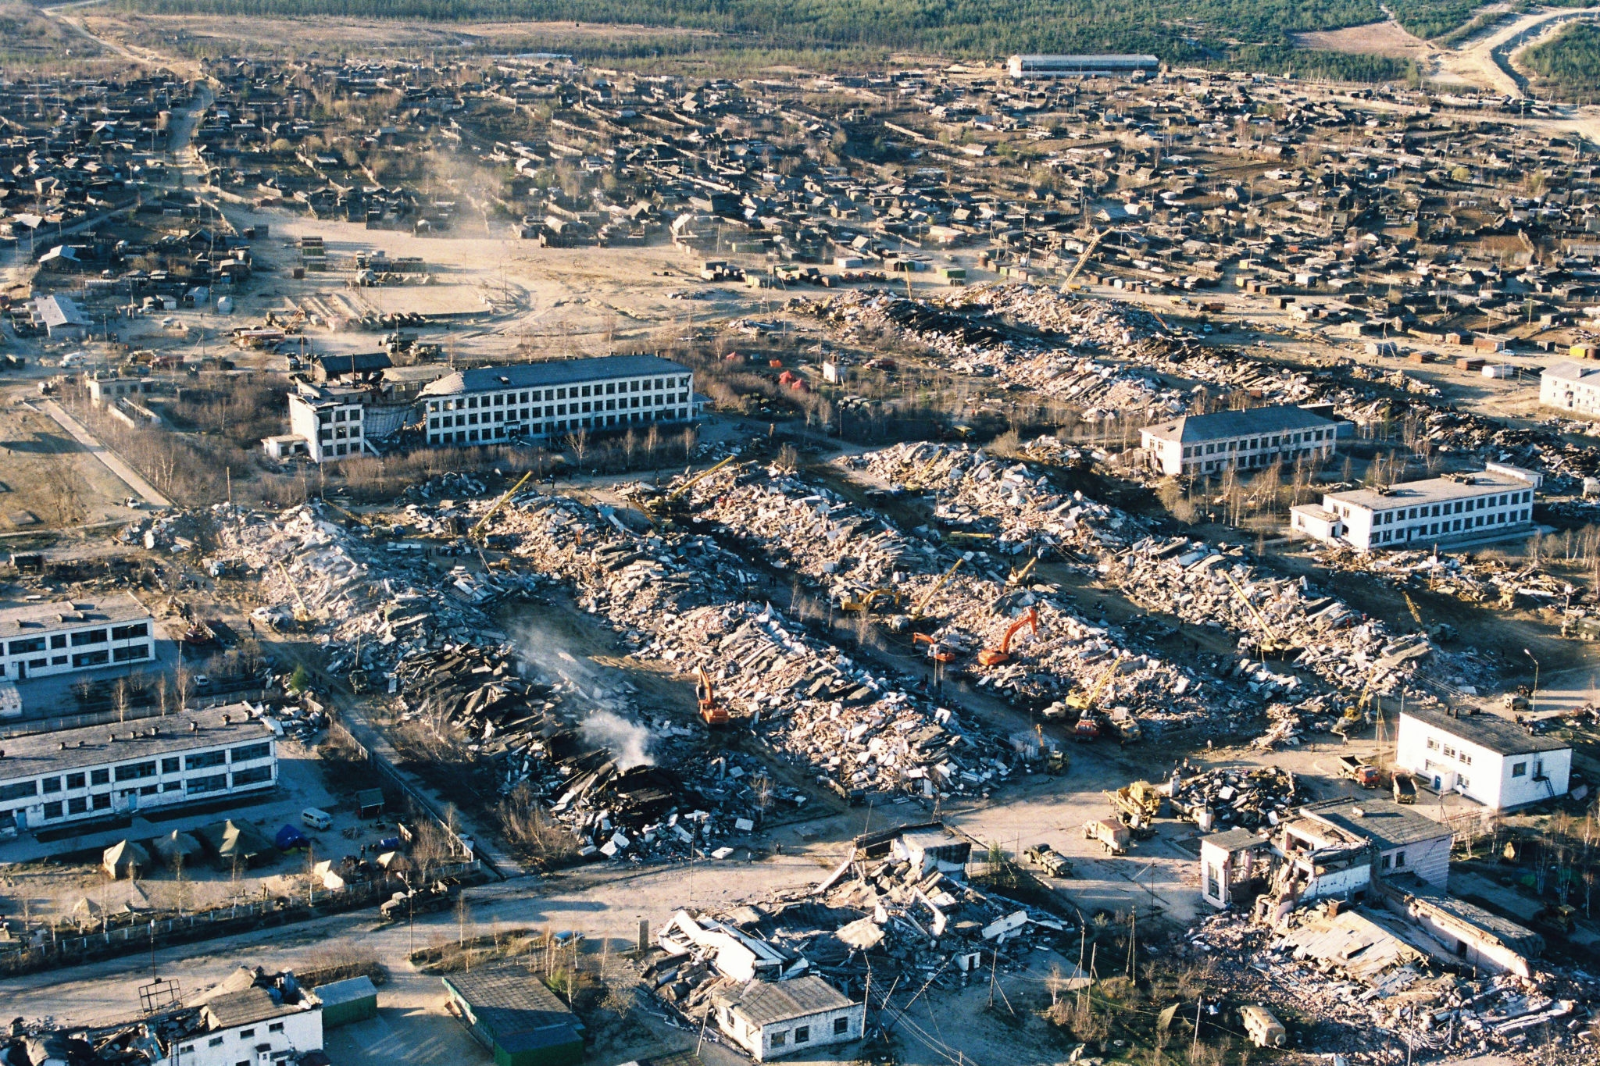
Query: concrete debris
[1224,799]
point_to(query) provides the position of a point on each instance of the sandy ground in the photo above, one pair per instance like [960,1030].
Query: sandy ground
[1375,38]
[47,474]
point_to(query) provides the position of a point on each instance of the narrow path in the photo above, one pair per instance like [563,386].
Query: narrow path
[146,491]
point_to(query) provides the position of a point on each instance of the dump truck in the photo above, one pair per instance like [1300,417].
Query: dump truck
[1126,726]
[1361,772]
[1263,1026]
[1049,860]
[1112,835]
[1405,789]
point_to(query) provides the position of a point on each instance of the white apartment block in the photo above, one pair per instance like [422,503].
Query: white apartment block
[40,639]
[1498,500]
[1248,440]
[77,775]
[1484,757]
[329,420]
[1571,386]
[498,405]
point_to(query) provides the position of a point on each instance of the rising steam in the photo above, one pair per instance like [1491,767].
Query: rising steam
[628,742]
[602,726]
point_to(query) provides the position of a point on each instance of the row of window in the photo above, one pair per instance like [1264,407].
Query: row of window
[1261,459]
[1455,525]
[1480,503]
[1464,756]
[81,639]
[194,786]
[572,392]
[1250,444]
[802,1033]
[342,414]
[523,414]
[243,1034]
[134,771]
[438,434]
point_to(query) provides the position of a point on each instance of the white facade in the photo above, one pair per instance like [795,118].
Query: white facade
[1571,386]
[332,427]
[773,1020]
[546,400]
[1247,440]
[38,640]
[1484,757]
[1498,500]
[77,775]
[263,1041]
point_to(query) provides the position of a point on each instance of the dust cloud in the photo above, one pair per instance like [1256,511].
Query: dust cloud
[587,693]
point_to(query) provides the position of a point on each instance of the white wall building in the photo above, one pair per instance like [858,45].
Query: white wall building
[1571,386]
[77,775]
[1498,500]
[255,1025]
[1484,757]
[496,405]
[40,639]
[1249,440]
[1027,67]
[773,1019]
[329,420]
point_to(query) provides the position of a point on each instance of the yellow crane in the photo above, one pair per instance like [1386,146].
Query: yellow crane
[477,530]
[853,603]
[922,604]
[1018,576]
[1416,615]
[1270,643]
[1077,267]
[302,613]
[1083,702]
[662,503]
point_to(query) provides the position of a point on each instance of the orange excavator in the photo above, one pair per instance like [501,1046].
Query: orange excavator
[996,656]
[939,653]
[711,713]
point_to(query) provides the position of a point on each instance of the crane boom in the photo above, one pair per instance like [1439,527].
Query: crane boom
[302,613]
[927,598]
[501,502]
[692,482]
[1272,643]
[1094,243]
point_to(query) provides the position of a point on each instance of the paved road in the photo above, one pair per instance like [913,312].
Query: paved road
[146,491]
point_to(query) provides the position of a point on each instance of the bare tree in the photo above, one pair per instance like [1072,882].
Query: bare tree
[577,442]
[182,685]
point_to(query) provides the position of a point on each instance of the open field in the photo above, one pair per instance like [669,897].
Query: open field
[51,482]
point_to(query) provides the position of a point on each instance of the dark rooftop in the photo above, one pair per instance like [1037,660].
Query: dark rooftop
[764,1002]
[1384,822]
[1500,735]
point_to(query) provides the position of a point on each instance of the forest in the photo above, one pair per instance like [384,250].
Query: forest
[1569,64]
[1235,33]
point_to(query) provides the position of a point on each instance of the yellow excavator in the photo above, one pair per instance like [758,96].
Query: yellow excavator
[1270,643]
[917,612]
[854,604]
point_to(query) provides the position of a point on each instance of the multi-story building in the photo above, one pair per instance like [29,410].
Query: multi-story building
[497,405]
[329,419]
[39,639]
[77,775]
[1484,757]
[1248,440]
[1571,386]
[1497,500]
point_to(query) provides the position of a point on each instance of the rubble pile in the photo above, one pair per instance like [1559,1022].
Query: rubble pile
[1204,586]
[1228,799]
[1470,579]
[900,912]
[680,598]
[1407,1006]
[1010,502]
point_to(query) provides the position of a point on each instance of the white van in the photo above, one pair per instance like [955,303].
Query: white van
[316,819]
[72,359]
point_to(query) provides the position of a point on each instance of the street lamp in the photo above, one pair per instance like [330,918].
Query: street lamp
[1533,699]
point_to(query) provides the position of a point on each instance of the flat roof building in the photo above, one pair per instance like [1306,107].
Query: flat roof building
[1496,500]
[497,405]
[1482,756]
[1571,386]
[509,1011]
[41,639]
[1250,439]
[1023,67]
[329,419]
[771,1019]
[79,775]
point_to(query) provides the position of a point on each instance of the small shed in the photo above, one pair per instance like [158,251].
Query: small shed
[125,859]
[344,1002]
[510,1012]
[369,803]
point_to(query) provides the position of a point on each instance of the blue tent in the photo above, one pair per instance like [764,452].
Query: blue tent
[289,838]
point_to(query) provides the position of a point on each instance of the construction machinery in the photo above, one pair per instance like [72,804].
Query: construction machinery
[1077,268]
[1405,789]
[476,534]
[1126,726]
[302,613]
[1088,727]
[853,604]
[402,905]
[1018,576]
[1360,771]
[1270,643]
[1138,805]
[711,713]
[1111,834]
[667,503]
[996,656]
[921,606]
[938,652]
[1263,1026]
